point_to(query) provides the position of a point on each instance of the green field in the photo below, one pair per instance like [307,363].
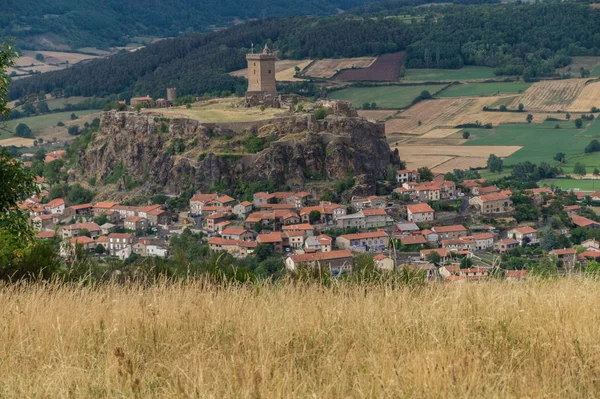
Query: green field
[38,123]
[449,75]
[590,161]
[386,97]
[484,89]
[573,184]
[540,142]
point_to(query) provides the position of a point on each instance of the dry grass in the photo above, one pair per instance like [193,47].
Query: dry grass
[550,95]
[532,339]
[588,98]
[16,141]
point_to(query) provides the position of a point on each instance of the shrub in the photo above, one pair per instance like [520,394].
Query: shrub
[320,113]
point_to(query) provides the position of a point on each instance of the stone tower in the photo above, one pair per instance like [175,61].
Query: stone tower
[171,94]
[261,73]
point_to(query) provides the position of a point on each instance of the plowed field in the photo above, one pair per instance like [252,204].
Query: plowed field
[328,67]
[588,97]
[386,68]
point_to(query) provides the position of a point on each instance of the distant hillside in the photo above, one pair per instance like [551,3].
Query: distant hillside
[531,40]
[89,23]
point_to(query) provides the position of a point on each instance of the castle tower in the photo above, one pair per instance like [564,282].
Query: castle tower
[171,94]
[261,73]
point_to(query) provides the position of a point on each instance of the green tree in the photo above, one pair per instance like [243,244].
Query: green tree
[466,263]
[596,172]
[466,135]
[73,116]
[560,157]
[433,257]
[426,173]
[593,146]
[578,123]
[495,164]
[568,116]
[529,118]
[549,239]
[300,108]
[263,251]
[23,131]
[373,105]
[521,107]
[314,216]
[320,113]
[366,106]
[43,108]
[73,130]
[40,57]
[100,249]
[579,169]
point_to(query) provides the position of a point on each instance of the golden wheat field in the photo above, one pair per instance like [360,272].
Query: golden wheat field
[497,339]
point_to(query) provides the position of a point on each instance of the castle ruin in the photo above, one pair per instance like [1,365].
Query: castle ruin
[262,88]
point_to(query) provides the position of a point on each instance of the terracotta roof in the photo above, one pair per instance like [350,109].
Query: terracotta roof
[303,226]
[45,234]
[449,229]
[516,273]
[413,240]
[582,221]
[245,203]
[443,252]
[324,238]
[82,206]
[374,212]
[319,256]
[380,257]
[269,238]
[233,231]
[361,236]
[149,208]
[282,195]
[590,254]
[55,203]
[104,205]
[81,240]
[133,219]
[120,235]
[483,236]
[489,190]
[572,208]
[102,239]
[294,233]
[264,195]
[302,194]
[541,190]
[45,217]
[224,199]
[524,230]
[508,241]
[403,171]
[40,180]
[419,208]
[89,226]
[155,212]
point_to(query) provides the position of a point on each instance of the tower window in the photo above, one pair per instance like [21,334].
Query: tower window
[255,71]
[269,71]
[255,64]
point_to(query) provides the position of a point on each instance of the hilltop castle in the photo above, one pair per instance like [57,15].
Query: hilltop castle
[262,88]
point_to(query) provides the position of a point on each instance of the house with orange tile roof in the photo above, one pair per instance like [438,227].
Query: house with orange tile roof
[261,198]
[383,262]
[483,241]
[237,248]
[135,223]
[419,213]
[198,201]
[581,221]
[450,232]
[56,206]
[591,243]
[67,247]
[78,210]
[526,235]
[572,209]
[75,229]
[445,254]
[119,241]
[505,245]
[276,239]
[321,243]
[237,233]
[490,204]
[414,240]
[45,235]
[370,241]
[295,239]
[568,256]
[336,262]
[514,275]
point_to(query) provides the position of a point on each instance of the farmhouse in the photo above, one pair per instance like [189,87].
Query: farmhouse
[56,206]
[237,248]
[505,245]
[581,221]
[450,232]
[232,233]
[404,176]
[489,204]
[419,213]
[568,256]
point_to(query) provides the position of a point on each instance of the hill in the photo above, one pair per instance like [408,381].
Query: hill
[529,339]
[74,24]
[531,40]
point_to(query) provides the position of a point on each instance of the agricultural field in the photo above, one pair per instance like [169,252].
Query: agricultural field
[573,184]
[327,68]
[284,70]
[17,142]
[446,113]
[386,97]
[484,89]
[376,115]
[222,110]
[550,95]
[386,68]
[448,75]
[539,142]
[589,63]
[53,61]
[444,158]
[45,125]
[590,161]
[588,97]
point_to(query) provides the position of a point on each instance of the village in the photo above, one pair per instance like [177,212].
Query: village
[453,244]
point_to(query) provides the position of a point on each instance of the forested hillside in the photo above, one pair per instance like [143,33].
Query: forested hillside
[90,23]
[523,39]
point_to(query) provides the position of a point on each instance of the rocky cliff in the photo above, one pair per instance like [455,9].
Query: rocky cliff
[159,155]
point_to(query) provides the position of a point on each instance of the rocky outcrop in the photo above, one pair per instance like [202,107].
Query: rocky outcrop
[173,155]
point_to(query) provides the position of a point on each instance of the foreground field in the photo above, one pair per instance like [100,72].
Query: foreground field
[531,339]
[387,97]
